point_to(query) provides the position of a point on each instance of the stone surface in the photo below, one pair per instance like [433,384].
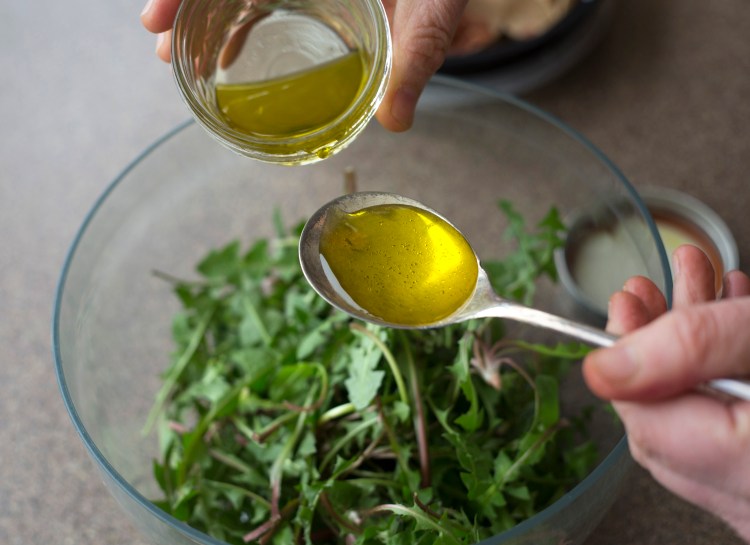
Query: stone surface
[664,96]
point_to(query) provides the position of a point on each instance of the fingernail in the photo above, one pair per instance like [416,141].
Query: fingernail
[147,7]
[160,40]
[404,104]
[616,364]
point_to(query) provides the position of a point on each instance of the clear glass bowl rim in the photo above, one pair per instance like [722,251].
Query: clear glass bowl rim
[618,452]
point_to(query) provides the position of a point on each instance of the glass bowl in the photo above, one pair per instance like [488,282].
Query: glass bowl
[185,195]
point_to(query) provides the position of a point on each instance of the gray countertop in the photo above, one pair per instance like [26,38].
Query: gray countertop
[665,96]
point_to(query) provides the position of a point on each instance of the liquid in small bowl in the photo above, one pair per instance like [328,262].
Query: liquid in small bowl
[284,82]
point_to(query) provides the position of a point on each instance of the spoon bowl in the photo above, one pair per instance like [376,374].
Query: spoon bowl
[482,303]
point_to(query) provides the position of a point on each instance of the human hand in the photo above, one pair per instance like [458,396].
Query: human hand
[421,30]
[158,17]
[695,445]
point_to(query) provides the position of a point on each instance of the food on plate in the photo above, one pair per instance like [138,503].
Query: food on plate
[487,21]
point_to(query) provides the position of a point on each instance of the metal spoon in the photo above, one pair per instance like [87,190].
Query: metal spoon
[484,303]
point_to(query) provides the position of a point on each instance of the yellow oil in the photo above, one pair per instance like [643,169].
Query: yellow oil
[297,104]
[400,263]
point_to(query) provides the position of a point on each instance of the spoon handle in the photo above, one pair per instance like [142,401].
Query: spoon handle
[723,387]
[506,309]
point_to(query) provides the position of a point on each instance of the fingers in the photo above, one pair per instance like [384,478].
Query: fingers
[627,312]
[639,302]
[716,432]
[422,32]
[674,353]
[736,284]
[158,15]
[694,280]
[649,294]
[164,46]
[695,446]
[660,432]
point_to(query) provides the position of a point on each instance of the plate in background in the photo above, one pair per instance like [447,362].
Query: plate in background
[518,67]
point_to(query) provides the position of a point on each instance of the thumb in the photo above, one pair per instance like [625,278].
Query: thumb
[674,353]
[422,31]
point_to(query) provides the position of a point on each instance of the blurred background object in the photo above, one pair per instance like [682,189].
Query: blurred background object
[518,47]
[486,22]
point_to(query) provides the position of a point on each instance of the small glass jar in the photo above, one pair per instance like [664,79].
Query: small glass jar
[283,81]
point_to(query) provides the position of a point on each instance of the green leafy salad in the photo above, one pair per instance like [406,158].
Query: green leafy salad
[284,421]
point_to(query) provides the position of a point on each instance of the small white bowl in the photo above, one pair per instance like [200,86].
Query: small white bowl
[598,254]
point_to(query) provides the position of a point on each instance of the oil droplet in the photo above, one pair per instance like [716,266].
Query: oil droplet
[400,263]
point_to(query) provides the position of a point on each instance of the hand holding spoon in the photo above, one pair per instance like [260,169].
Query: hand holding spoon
[392,261]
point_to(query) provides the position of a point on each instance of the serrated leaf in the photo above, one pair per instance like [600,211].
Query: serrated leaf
[401,411]
[364,379]
[316,338]
[221,263]
[266,387]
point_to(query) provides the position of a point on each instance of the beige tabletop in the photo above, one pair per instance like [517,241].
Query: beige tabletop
[665,95]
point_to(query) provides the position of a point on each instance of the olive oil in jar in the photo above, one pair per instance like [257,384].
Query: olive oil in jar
[290,81]
[296,104]
[285,81]
[400,263]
